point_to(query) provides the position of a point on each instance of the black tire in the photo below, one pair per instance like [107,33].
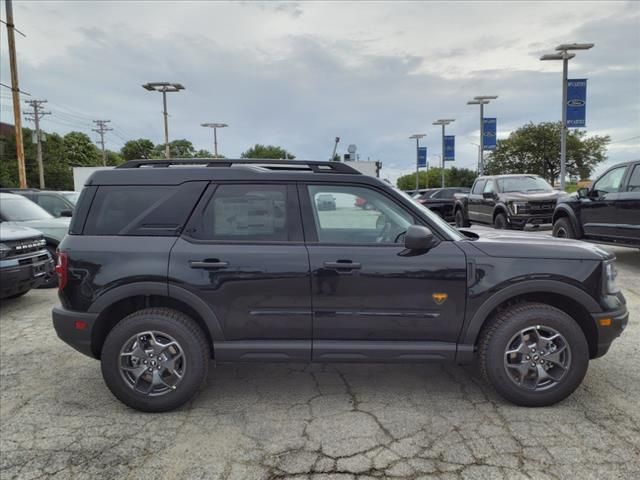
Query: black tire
[562,228]
[50,278]
[495,341]
[500,222]
[184,331]
[460,220]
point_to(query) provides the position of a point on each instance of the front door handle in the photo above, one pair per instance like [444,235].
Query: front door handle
[343,265]
[208,264]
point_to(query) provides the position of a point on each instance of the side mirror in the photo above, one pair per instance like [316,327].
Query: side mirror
[418,238]
[66,213]
[583,192]
[487,195]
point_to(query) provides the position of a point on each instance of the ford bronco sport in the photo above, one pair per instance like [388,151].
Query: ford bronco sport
[166,268]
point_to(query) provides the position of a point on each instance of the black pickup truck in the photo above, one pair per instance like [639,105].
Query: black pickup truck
[506,201]
[608,212]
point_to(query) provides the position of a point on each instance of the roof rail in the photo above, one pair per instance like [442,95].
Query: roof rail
[295,165]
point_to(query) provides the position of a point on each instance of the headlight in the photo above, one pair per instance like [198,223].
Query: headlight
[610,273]
[518,207]
[4,250]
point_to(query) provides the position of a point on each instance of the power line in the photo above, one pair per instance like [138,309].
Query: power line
[35,116]
[102,129]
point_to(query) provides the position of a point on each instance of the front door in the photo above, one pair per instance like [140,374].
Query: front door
[243,254]
[373,299]
[628,207]
[598,212]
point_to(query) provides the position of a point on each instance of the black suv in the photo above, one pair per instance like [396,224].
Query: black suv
[165,268]
[507,201]
[608,212]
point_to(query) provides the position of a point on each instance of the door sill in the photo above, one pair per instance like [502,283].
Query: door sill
[389,351]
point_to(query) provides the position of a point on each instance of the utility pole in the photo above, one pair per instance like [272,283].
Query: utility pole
[102,129]
[335,147]
[15,91]
[35,116]
[215,127]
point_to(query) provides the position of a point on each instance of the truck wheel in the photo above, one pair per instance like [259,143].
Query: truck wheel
[533,354]
[562,228]
[500,222]
[155,359]
[460,220]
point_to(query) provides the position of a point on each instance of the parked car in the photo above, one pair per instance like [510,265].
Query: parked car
[18,210]
[608,212]
[440,200]
[24,260]
[507,201]
[70,195]
[326,202]
[159,274]
[56,203]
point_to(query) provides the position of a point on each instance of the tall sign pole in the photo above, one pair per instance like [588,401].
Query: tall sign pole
[418,136]
[15,91]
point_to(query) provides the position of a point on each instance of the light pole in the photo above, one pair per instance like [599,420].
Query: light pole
[443,122]
[481,100]
[478,146]
[564,55]
[418,136]
[215,127]
[164,87]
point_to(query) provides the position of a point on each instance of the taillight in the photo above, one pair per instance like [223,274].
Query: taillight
[62,269]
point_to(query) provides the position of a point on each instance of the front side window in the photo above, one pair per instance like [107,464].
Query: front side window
[52,204]
[356,215]
[248,213]
[488,188]
[478,187]
[634,181]
[610,182]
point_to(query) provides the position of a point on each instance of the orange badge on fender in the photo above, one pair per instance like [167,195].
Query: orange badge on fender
[439,298]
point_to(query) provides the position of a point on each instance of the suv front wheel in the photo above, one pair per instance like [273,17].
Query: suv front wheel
[533,354]
[155,359]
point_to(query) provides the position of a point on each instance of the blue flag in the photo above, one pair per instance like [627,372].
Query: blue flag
[422,157]
[449,148]
[489,133]
[577,103]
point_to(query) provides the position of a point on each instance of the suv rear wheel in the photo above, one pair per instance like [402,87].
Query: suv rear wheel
[155,359]
[533,354]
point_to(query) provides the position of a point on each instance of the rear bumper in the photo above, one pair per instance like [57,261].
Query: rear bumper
[75,328]
[607,334]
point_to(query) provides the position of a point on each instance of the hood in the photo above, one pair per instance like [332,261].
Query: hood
[533,196]
[10,232]
[56,228]
[522,245]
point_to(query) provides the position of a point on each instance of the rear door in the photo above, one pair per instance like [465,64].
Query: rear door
[628,207]
[599,216]
[243,254]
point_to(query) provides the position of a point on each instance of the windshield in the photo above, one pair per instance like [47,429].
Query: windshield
[523,184]
[453,233]
[20,209]
[71,196]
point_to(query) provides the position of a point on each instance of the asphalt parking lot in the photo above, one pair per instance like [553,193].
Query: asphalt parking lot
[311,421]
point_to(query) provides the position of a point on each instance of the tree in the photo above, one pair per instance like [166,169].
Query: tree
[182,148]
[206,154]
[79,150]
[267,152]
[535,148]
[454,177]
[141,148]
[114,158]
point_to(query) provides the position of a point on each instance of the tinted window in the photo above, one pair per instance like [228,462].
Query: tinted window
[52,204]
[478,187]
[488,188]
[610,182]
[20,209]
[634,181]
[247,213]
[360,215]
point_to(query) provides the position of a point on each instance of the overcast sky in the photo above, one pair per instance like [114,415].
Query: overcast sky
[298,74]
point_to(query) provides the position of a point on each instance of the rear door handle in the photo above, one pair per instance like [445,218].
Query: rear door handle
[208,264]
[343,265]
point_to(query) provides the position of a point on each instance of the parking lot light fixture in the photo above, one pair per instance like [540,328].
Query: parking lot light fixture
[444,122]
[564,55]
[418,136]
[164,87]
[215,127]
[481,100]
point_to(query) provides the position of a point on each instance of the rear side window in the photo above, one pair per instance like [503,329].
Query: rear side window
[156,210]
[479,186]
[634,181]
[246,213]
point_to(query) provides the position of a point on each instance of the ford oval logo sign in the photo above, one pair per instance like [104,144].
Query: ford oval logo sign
[576,103]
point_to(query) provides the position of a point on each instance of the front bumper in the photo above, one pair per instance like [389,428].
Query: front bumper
[607,334]
[75,328]
[527,219]
[20,274]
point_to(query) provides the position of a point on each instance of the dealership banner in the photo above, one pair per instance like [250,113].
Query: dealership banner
[449,148]
[576,103]
[489,134]
[422,157]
